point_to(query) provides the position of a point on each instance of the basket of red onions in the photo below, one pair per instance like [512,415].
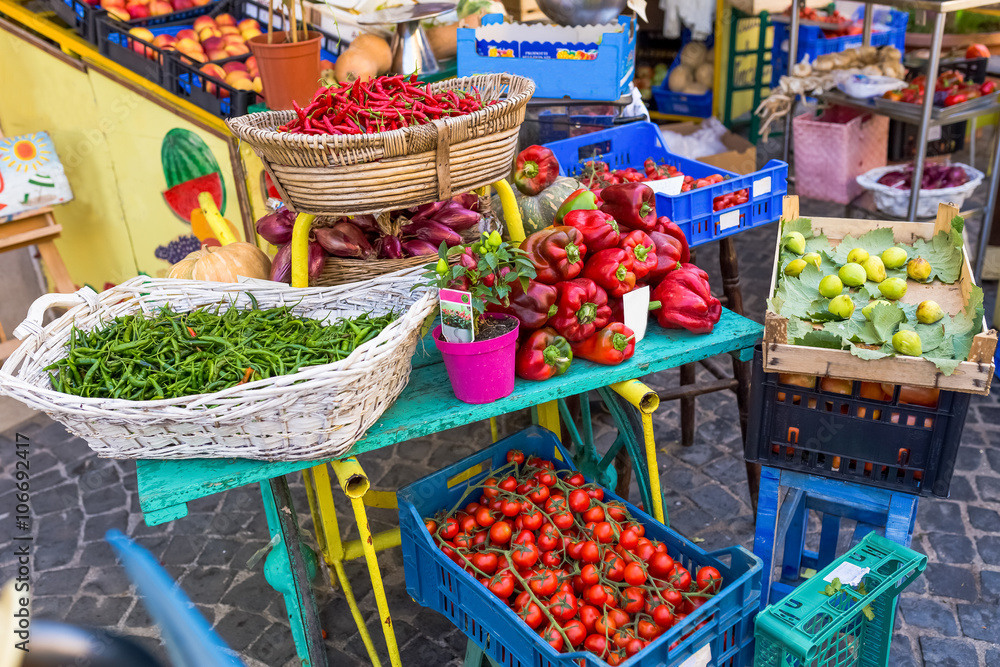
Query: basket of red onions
[940,184]
[351,249]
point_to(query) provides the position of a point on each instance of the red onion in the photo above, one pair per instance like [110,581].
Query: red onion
[457,217]
[344,239]
[389,247]
[426,211]
[417,247]
[467,200]
[317,258]
[434,232]
[281,265]
[365,223]
[276,228]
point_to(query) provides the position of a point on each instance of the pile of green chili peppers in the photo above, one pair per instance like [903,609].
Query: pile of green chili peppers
[182,354]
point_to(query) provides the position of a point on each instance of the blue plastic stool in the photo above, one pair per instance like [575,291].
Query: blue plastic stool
[891,513]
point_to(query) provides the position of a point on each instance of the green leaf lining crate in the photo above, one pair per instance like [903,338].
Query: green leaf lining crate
[803,338]
[831,621]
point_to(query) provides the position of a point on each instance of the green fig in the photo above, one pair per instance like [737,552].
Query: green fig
[907,342]
[831,286]
[794,267]
[841,306]
[929,312]
[852,274]
[919,269]
[857,256]
[893,257]
[795,242]
[867,310]
[874,269]
[813,258]
[892,288]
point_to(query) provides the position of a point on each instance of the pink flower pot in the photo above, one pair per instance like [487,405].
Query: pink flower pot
[481,371]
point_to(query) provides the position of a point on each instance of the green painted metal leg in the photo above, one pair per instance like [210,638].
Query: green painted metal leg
[585,454]
[289,568]
[474,656]
[636,452]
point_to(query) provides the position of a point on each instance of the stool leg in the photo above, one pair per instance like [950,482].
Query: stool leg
[53,261]
[902,514]
[320,493]
[767,522]
[687,407]
[355,484]
[793,534]
[287,571]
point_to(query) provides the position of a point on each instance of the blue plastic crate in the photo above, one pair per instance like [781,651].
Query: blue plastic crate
[435,581]
[812,43]
[605,78]
[630,145]
[682,104]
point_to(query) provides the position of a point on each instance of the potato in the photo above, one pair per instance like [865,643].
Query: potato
[695,88]
[693,54]
[680,78]
[705,74]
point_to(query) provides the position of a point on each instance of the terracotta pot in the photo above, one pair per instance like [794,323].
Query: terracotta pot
[288,70]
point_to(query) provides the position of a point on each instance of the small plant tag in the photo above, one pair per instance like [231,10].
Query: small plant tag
[636,309]
[456,316]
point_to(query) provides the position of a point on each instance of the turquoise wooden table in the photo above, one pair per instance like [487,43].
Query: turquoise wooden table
[427,405]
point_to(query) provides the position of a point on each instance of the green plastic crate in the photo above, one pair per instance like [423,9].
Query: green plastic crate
[810,629]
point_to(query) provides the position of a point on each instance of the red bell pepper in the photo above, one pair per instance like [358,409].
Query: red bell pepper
[640,249]
[556,252]
[633,205]
[610,346]
[667,226]
[582,309]
[543,354]
[533,307]
[580,200]
[668,255]
[611,269]
[599,229]
[536,169]
[686,302]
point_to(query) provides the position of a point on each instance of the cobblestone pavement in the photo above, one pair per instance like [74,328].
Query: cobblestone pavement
[948,617]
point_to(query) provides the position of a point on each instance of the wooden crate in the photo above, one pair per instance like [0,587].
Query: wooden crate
[972,376]
[524,10]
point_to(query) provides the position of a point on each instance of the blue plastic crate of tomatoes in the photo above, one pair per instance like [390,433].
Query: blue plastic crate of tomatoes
[710,204]
[540,566]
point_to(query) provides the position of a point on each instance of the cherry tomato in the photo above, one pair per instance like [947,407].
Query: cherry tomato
[532,519]
[554,638]
[673,598]
[663,617]
[524,537]
[661,564]
[604,532]
[595,513]
[563,605]
[536,462]
[549,538]
[467,524]
[484,517]
[500,532]
[590,575]
[596,492]
[539,494]
[614,567]
[575,631]
[543,583]
[502,585]
[693,603]
[579,501]
[508,484]
[524,555]
[616,511]
[464,541]
[555,504]
[574,549]
[562,519]
[472,507]
[490,489]
[532,615]
[449,529]
[604,625]
[634,574]
[589,615]
[709,579]
[515,456]
[590,552]
[480,538]
[681,579]
[596,595]
[648,630]
[619,617]
[628,538]
[596,644]
[623,637]
[577,479]
[547,478]
[634,598]
[431,525]
[634,647]
[487,563]
[551,558]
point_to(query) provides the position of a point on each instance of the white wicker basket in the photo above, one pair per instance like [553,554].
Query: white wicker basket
[316,413]
[896,202]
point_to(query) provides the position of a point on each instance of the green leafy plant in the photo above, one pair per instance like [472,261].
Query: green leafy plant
[835,587]
[487,269]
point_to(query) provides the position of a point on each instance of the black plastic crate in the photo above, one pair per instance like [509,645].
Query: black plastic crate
[208,93]
[890,444]
[115,42]
[903,139]
[973,69]
[80,16]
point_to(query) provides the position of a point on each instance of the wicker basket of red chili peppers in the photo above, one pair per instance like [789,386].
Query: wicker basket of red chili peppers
[389,142]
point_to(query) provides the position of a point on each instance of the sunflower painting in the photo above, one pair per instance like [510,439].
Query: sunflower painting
[31,175]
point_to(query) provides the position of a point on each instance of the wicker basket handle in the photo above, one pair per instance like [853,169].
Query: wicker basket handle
[442,160]
[32,324]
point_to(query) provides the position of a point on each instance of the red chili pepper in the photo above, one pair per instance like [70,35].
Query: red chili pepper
[631,204]
[544,354]
[686,302]
[599,229]
[556,252]
[581,310]
[610,346]
[536,168]
[641,250]
[611,269]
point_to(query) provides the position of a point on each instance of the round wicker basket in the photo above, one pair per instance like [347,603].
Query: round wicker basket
[369,173]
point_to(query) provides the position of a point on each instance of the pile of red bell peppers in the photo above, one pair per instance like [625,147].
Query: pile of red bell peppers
[599,249]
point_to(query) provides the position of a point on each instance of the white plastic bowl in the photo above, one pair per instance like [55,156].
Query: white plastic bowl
[895,202]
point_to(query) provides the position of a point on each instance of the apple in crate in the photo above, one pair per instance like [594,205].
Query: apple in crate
[137,10]
[225,19]
[119,12]
[258,85]
[237,49]
[140,48]
[252,66]
[215,72]
[239,80]
[160,7]
[203,22]
[229,30]
[187,33]
[165,42]
[182,5]
[234,66]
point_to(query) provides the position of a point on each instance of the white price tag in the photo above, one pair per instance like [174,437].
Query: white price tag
[700,659]
[762,186]
[729,220]
[848,573]
[667,186]
[934,133]
[636,307]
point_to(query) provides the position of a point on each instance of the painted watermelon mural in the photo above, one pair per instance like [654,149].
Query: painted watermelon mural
[189,168]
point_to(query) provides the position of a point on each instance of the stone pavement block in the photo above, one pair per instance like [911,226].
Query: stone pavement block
[355,647]
[951,581]
[104,499]
[182,550]
[108,580]
[252,594]
[928,614]
[241,628]
[138,617]
[993,456]
[984,519]
[989,549]
[49,555]
[57,499]
[961,489]
[989,487]
[683,478]
[952,548]
[938,652]
[61,527]
[991,584]
[51,608]
[900,653]
[59,582]
[993,657]
[696,455]
[274,646]
[716,501]
[969,457]
[219,551]
[97,527]
[979,621]
[207,585]
[989,416]
[98,611]
[940,516]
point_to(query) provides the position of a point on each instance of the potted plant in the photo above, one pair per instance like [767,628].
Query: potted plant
[480,370]
[288,60]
